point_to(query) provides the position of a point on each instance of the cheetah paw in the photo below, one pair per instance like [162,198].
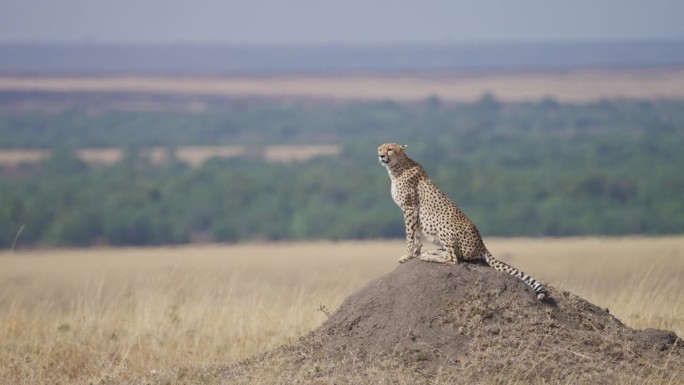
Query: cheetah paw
[405,258]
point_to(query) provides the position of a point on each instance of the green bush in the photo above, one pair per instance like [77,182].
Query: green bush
[533,169]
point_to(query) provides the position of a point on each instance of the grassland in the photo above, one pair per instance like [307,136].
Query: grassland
[113,315]
[572,86]
[192,155]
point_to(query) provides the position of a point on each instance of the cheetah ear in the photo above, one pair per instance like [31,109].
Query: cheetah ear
[404,146]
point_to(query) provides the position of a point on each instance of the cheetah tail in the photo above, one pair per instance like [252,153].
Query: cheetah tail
[538,288]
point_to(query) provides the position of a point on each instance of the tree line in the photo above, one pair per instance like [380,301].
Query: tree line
[517,169]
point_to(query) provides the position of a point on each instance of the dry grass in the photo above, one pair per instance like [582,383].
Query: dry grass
[580,85]
[17,157]
[192,155]
[112,315]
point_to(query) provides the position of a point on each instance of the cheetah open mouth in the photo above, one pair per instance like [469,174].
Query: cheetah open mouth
[384,159]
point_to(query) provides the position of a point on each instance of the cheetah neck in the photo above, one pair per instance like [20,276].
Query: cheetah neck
[401,167]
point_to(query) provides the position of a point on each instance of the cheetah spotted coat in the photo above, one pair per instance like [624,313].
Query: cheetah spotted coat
[430,213]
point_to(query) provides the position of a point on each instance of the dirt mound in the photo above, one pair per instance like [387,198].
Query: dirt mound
[429,323]
[433,316]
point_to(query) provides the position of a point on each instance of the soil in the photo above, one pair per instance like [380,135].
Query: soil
[430,323]
[434,316]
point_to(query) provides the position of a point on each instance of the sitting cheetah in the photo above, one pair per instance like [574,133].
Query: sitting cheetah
[428,211]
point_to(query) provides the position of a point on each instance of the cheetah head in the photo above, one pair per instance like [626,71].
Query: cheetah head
[390,153]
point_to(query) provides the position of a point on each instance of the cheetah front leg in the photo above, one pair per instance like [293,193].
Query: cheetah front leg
[413,243]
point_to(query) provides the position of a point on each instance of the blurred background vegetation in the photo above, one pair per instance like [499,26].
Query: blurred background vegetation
[542,168]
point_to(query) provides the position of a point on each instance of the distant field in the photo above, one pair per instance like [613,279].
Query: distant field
[112,315]
[192,155]
[575,86]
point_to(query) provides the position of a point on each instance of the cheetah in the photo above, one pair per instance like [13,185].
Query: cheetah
[430,213]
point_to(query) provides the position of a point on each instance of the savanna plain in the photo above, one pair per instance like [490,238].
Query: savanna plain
[100,316]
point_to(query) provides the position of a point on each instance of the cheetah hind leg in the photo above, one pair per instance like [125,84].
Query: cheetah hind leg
[438,256]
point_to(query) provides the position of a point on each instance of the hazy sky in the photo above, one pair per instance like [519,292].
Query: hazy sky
[323,21]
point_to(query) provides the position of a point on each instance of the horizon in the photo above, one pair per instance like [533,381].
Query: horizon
[248,58]
[366,43]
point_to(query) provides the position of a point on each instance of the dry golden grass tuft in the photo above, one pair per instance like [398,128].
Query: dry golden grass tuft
[118,315]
